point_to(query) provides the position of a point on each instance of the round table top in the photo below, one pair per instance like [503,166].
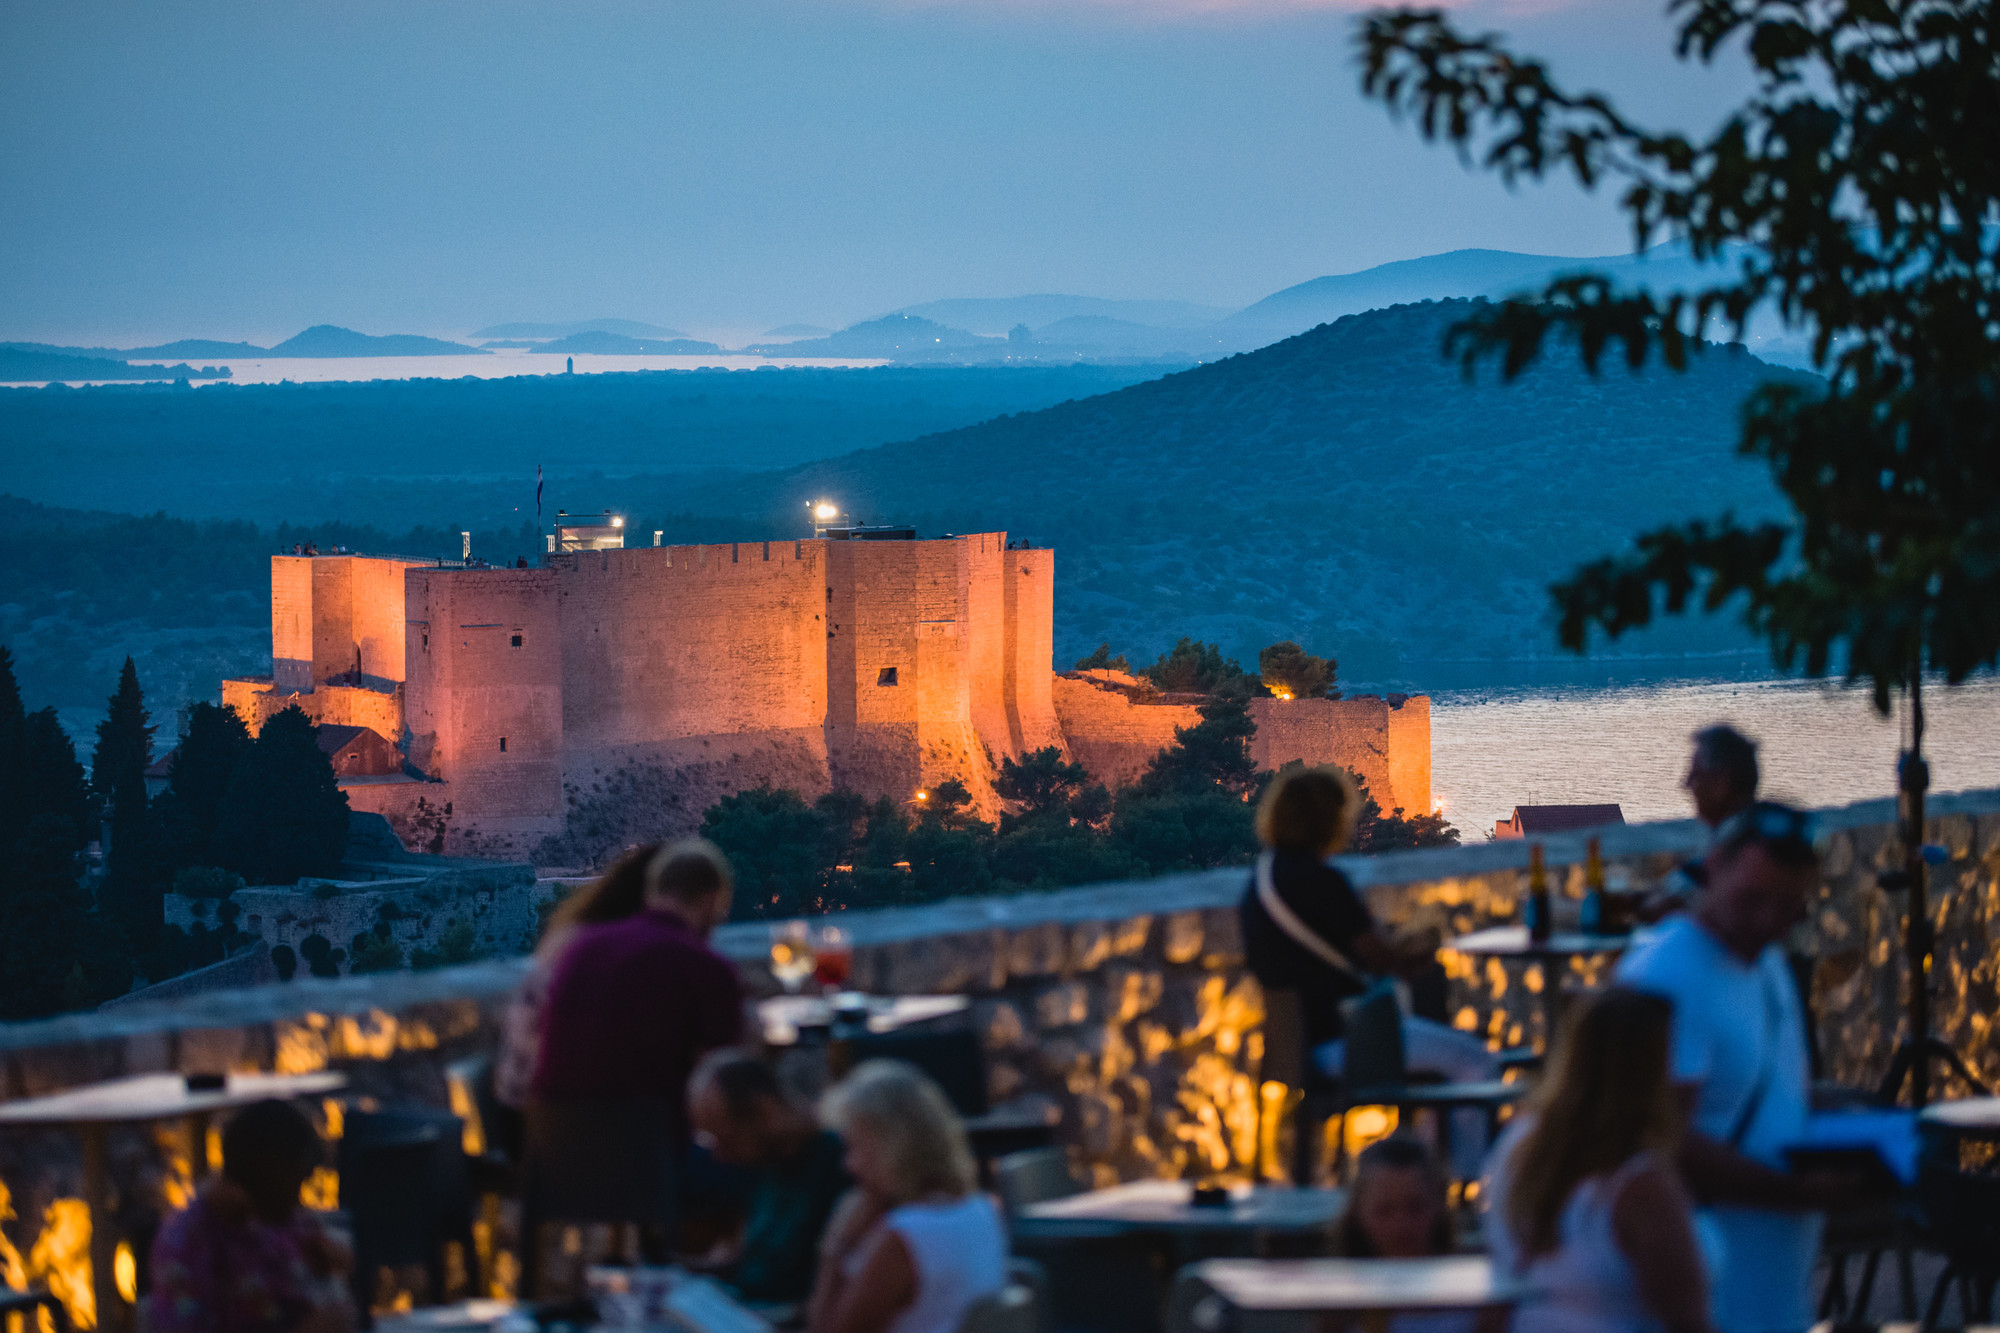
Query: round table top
[1453,1282]
[1970,1113]
[149,1097]
[1513,940]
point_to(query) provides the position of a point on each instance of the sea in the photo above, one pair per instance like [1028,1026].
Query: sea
[501,363]
[1820,743]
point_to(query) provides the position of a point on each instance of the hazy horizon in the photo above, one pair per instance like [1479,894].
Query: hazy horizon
[729,169]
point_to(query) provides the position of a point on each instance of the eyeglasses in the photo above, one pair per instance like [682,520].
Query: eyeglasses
[1768,822]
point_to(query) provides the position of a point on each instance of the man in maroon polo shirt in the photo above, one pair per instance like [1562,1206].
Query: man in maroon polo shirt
[634,1003]
[630,1008]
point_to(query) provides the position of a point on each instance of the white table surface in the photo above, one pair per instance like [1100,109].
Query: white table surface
[149,1097]
[782,1016]
[1454,1282]
[1163,1205]
[1970,1113]
[1504,940]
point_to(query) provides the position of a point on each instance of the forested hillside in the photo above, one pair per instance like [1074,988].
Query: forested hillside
[1345,488]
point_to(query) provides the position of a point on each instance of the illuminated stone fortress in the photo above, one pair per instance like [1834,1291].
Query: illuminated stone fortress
[630,688]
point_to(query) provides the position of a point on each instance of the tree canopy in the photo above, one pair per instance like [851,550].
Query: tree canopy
[1853,195]
[284,814]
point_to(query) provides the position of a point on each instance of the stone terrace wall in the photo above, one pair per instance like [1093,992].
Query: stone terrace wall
[1124,1005]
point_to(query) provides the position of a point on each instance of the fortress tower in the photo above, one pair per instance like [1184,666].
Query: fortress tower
[609,696]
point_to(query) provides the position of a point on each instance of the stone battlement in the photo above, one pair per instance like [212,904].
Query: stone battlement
[606,697]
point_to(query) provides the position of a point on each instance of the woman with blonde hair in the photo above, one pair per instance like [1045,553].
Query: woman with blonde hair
[915,1244]
[1584,1202]
[1306,930]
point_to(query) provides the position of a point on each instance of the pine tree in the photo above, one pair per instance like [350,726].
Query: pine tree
[284,814]
[137,867]
[54,780]
[13,757]
[215,743]
[43,951]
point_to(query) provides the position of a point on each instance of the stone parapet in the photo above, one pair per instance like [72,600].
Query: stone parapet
[1126,1006]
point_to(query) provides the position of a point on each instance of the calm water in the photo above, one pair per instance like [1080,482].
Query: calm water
[1820,744]
[500,364]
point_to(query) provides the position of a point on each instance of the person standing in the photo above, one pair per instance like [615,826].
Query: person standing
[631,1005]
[742,1116]
[1740,1060]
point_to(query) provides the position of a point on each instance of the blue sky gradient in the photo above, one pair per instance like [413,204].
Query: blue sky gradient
[242,170]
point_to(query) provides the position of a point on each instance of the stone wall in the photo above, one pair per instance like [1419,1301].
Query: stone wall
[1112,737]
[1126,1006]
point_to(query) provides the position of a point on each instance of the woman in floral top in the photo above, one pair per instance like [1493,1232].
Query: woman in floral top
[244,1257]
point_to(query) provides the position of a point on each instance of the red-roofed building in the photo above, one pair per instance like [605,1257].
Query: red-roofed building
[358,752]
[1540,821]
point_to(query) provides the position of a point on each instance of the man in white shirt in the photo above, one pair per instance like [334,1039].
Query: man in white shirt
[1740,1058]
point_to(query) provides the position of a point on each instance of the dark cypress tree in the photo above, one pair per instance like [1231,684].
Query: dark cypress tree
[55,784]
[46,946]
[284,814]
[13,757]
[203,765]
[137,867]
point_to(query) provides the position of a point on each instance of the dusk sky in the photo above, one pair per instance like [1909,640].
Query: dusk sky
[244,170]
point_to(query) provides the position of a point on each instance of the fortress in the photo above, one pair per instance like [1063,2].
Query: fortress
[611,695]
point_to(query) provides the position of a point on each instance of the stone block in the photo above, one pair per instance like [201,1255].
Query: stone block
[1090,945]
[1000,1026]
[1064,1004]
[1181,941]
[1222,932]
[1130,991]
[1037,951]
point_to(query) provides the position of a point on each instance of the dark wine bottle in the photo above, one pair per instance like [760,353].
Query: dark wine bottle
[1594,905]
[1538,914]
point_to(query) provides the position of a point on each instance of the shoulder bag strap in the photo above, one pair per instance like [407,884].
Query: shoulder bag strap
[1300,933]
[1773,1038]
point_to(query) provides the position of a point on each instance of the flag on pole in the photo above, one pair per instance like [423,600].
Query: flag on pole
[538,495]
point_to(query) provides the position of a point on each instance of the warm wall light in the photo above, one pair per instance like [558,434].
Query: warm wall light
[825,510]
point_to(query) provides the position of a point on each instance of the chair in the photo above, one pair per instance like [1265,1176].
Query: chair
[611,1160]
[1023,1179]
[40,1298]
[1021,1306]
[404,1184]
[1374,1071]
[954,1060]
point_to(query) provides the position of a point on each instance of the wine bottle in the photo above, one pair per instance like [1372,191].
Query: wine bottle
[1538,914]
[1594,904]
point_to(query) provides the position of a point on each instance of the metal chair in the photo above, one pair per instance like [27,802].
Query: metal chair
[611,1160]
[404,1185]
[1023,1179]
[26,1303]
[1021,1306]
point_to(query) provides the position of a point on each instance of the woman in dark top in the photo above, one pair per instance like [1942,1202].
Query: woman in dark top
[1318,938]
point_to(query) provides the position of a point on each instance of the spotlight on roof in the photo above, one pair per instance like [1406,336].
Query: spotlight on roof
[826,511]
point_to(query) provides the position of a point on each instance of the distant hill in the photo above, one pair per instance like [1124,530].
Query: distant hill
[1344,488]
[332,340]
[26,367]
[997,315]
[598,343]
[797,331]
[896,337]
[630,328]
[199,347]
[1100,335]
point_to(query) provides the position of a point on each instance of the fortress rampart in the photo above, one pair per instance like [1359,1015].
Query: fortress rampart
[606,697]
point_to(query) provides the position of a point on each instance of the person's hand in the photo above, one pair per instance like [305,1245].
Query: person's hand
[853,1217]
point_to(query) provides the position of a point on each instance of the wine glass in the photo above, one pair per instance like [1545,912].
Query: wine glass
[792,958]
[833,950]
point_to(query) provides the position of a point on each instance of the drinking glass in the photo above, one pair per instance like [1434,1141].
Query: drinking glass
[833,948]
[792,958]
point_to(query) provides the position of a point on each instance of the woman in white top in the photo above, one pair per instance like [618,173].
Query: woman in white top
[1584,1202]
[915,1244]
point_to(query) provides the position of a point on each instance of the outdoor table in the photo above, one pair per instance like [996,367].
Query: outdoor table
[1370,1292]
[1975,1113]
[1557,949]
[784,1017]
[90,1112]
[1165,1207]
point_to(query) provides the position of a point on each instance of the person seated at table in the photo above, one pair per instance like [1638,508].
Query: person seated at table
[1398,1208]
[1305,929]
[741,1115]
[915,1244]
[1585,1203]
[244,1257]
